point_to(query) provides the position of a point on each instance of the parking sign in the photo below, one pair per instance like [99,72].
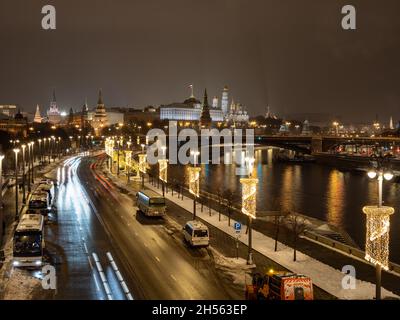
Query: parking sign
[238,227]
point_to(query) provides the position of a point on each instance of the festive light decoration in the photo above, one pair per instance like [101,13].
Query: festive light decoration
[194,180]
[163,170]
[249,188]
[377,237]
[128,159]
[142,163]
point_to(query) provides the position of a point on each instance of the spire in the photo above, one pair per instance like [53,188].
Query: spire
[391,126]
[205,118]
[100,101]
[54,95]
[85,108]
[205,101]
[38,117]
[71,116]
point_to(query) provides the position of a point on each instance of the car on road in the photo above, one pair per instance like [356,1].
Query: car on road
[196,234]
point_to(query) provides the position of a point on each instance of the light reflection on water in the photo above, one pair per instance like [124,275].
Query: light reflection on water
[318,191]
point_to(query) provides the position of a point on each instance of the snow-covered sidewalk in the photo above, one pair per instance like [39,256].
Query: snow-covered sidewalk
[323,275]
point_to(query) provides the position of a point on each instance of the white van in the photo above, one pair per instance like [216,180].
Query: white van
[196,233]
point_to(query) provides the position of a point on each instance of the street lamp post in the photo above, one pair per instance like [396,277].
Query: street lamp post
[377,235]
[40,151]
[1,183]
[23,174]
[16,151]
[29,166]
[32,162]
[336,125]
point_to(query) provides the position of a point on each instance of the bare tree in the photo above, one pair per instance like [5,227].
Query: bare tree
[220,201]
[279,220]
[230,198]
[298,225]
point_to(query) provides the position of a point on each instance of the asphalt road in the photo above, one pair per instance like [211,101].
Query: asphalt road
[95,217]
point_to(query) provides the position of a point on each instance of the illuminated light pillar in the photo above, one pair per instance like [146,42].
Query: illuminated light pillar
[128,161]
[194,186]
[142,166]
[249,189]
[377,240]
[163,173]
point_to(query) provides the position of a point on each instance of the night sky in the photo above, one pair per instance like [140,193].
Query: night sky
[290,54]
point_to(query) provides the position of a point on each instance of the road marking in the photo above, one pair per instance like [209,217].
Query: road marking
[86,249]
[119,276]
[172,276]
[158,259]
[102,276]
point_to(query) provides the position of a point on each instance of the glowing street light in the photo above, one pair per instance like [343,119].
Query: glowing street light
[16,151]
[336,125]
[23,174]
[378,224]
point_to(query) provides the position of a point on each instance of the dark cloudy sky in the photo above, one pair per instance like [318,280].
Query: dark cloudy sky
[291,54]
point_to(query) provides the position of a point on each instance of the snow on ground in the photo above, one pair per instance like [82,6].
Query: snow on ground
[21,285]
[323,276]
[237,269]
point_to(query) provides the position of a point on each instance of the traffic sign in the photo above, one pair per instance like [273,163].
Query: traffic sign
[237,226]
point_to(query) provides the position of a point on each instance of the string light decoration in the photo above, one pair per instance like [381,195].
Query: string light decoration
[163,170]
[377,237]
[194,181]
[142,163]
[249,189]
[128,159]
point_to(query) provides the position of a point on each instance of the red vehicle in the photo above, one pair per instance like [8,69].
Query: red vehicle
[280,286]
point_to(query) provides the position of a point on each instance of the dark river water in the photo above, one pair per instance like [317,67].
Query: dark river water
[321,192]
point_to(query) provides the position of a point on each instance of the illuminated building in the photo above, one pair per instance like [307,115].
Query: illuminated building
[225,101]
[53,114]
[100,116]
[38,117]
[189,110]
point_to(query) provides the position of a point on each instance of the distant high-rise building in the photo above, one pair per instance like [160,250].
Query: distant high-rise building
[225,101]
[53,114]
[205,118]
[100,115]
[38,117]
[391,126]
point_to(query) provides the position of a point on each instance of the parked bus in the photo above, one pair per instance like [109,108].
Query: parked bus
[39,203]
[151,203]
[28,241]
[196,234]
